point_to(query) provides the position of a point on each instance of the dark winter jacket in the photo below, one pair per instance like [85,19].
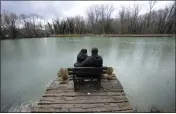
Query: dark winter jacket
[92,61]
[82,56]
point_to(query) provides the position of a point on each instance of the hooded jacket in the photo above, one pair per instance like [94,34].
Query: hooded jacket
[92,61]
[82,56]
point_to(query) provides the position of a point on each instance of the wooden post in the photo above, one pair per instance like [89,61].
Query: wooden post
[74,82]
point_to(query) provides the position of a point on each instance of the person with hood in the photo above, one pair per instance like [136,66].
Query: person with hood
[93,61]
[81,56]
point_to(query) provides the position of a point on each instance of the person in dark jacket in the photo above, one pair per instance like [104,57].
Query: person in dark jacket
[93,61]
[81,56]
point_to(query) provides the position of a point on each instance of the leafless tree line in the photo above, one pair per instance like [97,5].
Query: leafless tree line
[98,21]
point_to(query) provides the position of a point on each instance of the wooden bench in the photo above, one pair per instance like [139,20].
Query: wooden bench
[81,73]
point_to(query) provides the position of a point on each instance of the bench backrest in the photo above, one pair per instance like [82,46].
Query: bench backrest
[87,71]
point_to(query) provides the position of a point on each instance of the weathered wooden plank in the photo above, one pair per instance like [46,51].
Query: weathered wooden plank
[57,90]
[111,86]
[99,109]
[66,98]
[62,92]
[106,107]
[86,101]
[84,106]
[124,111]
[56,82]
[60,86]
[49,109]
[109,81]
[70,87]
[86,94]
[78,99]
[78,110]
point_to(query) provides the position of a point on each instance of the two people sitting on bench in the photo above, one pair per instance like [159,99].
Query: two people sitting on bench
[94,60]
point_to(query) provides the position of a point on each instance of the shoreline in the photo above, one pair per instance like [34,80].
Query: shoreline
[99,35]
[114,35]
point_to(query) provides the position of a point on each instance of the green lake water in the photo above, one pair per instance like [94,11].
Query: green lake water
[144,66]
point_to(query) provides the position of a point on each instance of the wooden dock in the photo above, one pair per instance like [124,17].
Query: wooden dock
[62,98]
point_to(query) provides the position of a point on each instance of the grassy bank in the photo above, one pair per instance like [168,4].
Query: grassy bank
[114,35]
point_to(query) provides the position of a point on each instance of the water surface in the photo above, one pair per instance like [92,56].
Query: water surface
[144,66]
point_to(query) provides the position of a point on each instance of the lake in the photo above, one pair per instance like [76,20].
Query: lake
[144,66]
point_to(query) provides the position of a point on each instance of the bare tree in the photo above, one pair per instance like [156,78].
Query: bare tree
[108,14]
[33,25]
[27,31]
[151,6]
[93,17]
[9,24]
[122,14]
[135,15]
[170,25]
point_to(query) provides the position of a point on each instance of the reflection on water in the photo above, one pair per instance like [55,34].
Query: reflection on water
[145,67]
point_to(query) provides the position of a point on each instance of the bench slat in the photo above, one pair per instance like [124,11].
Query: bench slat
[89,68]
[88,73]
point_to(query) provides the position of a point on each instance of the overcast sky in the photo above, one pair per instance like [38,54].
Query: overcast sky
[61,9]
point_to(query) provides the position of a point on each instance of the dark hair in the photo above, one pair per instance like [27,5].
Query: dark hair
[84,50]
[94,50]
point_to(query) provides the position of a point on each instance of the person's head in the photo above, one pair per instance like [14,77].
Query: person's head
[84,51]
[94,51]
